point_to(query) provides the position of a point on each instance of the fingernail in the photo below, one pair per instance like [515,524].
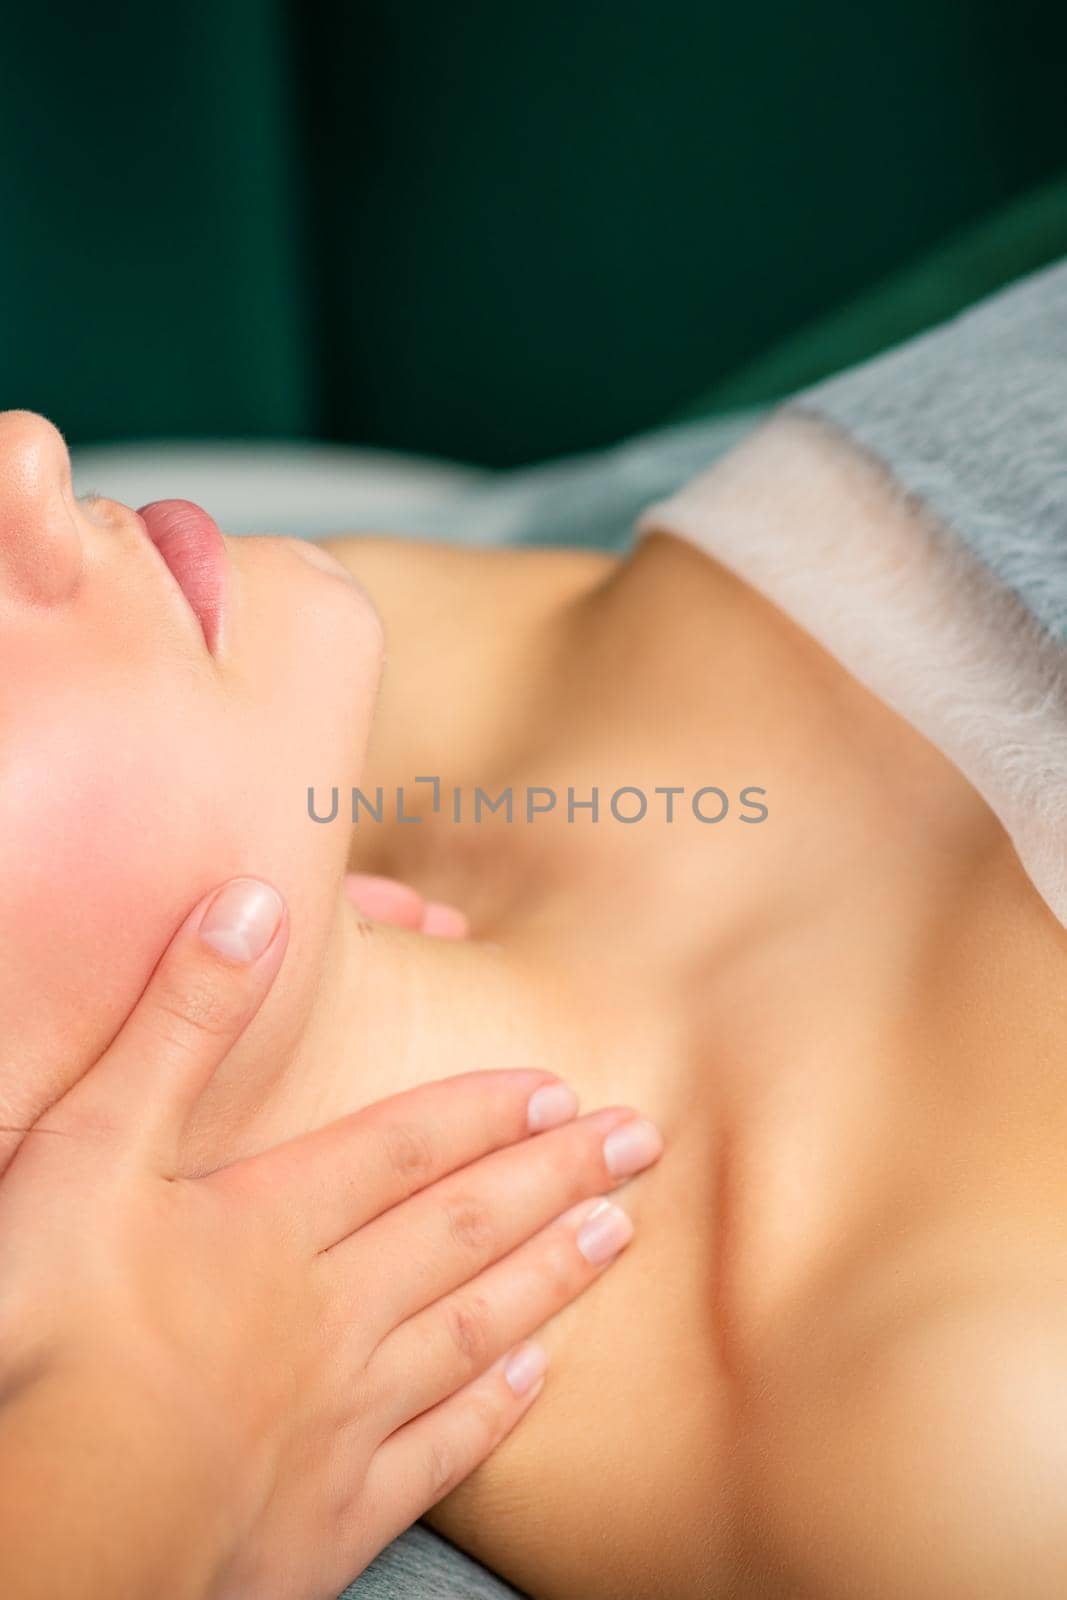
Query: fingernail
[524,1366]
[549,1106]
[604,1232]
[242,919]
[630,1148]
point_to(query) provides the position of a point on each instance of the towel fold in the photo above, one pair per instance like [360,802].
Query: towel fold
[952,607]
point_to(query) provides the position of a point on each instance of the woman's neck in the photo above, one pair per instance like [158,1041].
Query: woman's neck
[502,665]
[877,861]
[817,1010]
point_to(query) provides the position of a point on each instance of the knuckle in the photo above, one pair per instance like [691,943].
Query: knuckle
[441,1469]
[559,1268]
[478,1429]
[470,1327]
[409,1150]
[87,1124]
[575,1165]
[487,1422]
[198,1006]
[470,1225]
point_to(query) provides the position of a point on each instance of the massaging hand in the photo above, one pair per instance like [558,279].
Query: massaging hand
[246,1383]
[389,900]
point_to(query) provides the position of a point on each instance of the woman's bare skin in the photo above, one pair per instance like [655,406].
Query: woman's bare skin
[838,1332]
[831,1364]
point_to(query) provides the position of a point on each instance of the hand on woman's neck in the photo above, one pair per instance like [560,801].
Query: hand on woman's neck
[392,1009]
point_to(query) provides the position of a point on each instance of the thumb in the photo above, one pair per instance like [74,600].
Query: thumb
[208,985]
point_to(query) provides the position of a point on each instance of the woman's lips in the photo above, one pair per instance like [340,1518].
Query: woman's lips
[192,547]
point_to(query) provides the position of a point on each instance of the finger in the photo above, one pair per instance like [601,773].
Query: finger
[207,986]
[385,899]
[448,1344]
[332,1182]
[388,900]
[426,1459]
[441,1238]
[444,922]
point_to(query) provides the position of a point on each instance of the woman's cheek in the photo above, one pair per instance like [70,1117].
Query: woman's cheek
[102,851]
[126,796]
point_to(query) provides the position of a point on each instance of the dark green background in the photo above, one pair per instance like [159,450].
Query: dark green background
[489,230]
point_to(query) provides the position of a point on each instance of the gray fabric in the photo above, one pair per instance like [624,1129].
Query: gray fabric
[313,491]
[590,500]
[421,1566]
[972,419]
[952,607]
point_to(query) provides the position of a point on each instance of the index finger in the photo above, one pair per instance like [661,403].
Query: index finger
[335,1180]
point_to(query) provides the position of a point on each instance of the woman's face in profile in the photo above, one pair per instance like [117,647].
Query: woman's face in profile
[152,745]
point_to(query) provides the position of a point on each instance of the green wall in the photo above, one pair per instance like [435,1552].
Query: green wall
[495,231]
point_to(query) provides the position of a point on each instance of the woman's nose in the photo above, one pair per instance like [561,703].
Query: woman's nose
[40,535]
